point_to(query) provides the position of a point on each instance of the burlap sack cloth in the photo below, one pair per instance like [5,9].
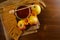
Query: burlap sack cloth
[9,20]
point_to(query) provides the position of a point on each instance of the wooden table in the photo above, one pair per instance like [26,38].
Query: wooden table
[50,23]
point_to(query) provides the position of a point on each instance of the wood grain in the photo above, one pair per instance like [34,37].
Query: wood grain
[50,23]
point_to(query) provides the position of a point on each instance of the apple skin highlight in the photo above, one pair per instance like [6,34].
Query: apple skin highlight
[36,9]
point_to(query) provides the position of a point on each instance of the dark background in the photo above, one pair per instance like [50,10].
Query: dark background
[50,23]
